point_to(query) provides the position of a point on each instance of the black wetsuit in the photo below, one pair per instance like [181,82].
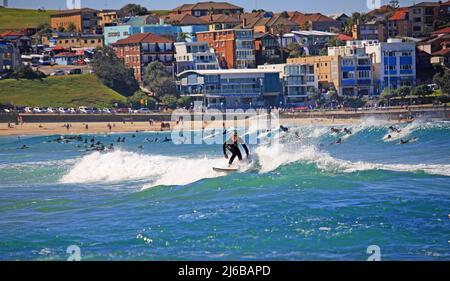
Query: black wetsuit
[233,147]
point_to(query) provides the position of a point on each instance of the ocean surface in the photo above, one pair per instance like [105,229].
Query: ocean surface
[302,197]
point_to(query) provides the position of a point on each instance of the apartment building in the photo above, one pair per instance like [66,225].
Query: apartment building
[372,30]
[399,24]
[267,48]
[322,69]
[107,17]
[139,50]
[298,81]
[206,8]
[194,56]
[73,40]
[232,88]
[352,67]
[9,56]
[85,20]
[422,17]
[235,48]
[394,62]
[112,34]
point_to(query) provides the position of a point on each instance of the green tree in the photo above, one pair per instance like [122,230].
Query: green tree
[294,50]
[71,27]
[27,72]
[183,37]
[170,101]
[443,81]
[404,91]
[394,4]
[284,14]
[279,29]
[132,10]
[113,73]
[184,101]
[43,28]
[141,99]
[158,80]
[422,90]
[332,95]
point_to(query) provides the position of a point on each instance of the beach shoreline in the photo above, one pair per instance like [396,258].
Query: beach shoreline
[75,128]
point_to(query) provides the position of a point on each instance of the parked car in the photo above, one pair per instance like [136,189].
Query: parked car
[80,62]
[6,110]
[75,71]
[71,110]
[50,110]
[61,110]
[28,110]
[58,73]
[107,111]
[143,110]
[123,110]
[37,110]
[83,109]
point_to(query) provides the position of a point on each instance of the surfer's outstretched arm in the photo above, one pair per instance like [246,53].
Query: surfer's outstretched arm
[225,150]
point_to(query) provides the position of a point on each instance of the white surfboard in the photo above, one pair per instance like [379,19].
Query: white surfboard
[225,170]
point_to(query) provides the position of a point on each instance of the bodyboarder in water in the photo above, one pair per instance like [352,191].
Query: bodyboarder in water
[232,144]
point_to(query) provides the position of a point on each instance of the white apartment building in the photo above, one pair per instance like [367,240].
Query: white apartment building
[394,62]
[195,56]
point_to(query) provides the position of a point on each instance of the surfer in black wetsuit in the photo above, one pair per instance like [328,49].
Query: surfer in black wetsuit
[232,145]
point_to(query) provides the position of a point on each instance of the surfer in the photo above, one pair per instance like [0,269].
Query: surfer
[284,129]
[347,131]
[339,141]
[334,130]
[393,129]
[402,141]
[232,144]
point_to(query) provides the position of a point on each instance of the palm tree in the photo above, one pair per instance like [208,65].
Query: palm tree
[184,36]
[279,28]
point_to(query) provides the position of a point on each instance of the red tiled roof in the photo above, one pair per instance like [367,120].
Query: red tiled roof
[220,19]
[445,30]
[12,33]
[206,6]
[442,52]
[400,14]
[183,19]
[66,54]
[143,38]
[382,10]
[301,19]
[344,37]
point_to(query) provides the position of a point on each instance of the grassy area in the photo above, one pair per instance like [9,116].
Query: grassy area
[65,91]
[17,19]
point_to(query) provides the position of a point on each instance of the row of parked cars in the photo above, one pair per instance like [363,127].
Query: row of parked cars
[69,72]
[79,110]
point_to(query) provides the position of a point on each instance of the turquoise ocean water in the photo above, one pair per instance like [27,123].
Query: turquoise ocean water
[304,198]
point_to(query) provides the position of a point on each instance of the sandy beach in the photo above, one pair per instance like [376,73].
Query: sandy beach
[119,127]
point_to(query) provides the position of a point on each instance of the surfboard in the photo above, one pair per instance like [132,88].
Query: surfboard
[225,170]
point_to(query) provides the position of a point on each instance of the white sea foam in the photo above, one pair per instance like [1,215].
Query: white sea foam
[122,165]
[158,170]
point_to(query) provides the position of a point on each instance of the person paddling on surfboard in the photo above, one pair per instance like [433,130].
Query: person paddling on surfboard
[232,144]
